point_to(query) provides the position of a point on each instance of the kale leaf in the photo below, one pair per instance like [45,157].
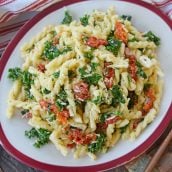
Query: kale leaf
[46,91]
[65,50]
[51,117]
[126,17]
[134,39]
[98,144]
[82,72]
[117,95]
[93,79]
[51,51]
[106,115]
[84,20]
[61,99]
[113,44]
[56,74]
[26,78]
[14,73]
[24,111]
[41,135]
[97,100]
[140,71]
[88,55]
[67,19]
[123,129]
[90,78]
[93,66]
[152,37]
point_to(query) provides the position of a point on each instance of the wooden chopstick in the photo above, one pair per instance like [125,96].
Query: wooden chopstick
[159,153]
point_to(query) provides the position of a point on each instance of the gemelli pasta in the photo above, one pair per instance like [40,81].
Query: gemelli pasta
[85,84]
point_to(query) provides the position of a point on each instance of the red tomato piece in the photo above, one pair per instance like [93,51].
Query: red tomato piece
[108,71]
[63,116]
[120,33]
[89,138]
[132,67]
[109,74]
[43,104]
[135,123]
[113,120]
[54,108]
[108,82]
[81,91]
[128,53]
[150,93]
[102,42]
[75,135]
[132,63]
[95,42]
[133,98]
[65,113]
[106,64]
[149,101]
[147,106]
[56,40]
[71,145]
[101,126]
[27,115]
[79,137]
[48,105]
[41,67]
[92,42]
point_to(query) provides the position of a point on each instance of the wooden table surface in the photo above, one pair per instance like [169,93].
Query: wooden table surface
[10,164]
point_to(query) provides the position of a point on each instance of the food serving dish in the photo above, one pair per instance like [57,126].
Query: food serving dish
[12,137]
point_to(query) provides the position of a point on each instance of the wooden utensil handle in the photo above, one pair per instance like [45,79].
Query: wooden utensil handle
[159,153]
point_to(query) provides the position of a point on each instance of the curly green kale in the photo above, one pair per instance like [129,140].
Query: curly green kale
[67,19]
[97,145]
[152,37]
[41,135]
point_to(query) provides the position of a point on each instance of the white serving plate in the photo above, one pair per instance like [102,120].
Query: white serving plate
[145,18]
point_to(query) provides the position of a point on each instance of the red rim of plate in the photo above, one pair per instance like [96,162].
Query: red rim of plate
[111,164]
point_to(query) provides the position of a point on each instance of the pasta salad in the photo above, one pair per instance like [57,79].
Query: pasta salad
[85,84]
